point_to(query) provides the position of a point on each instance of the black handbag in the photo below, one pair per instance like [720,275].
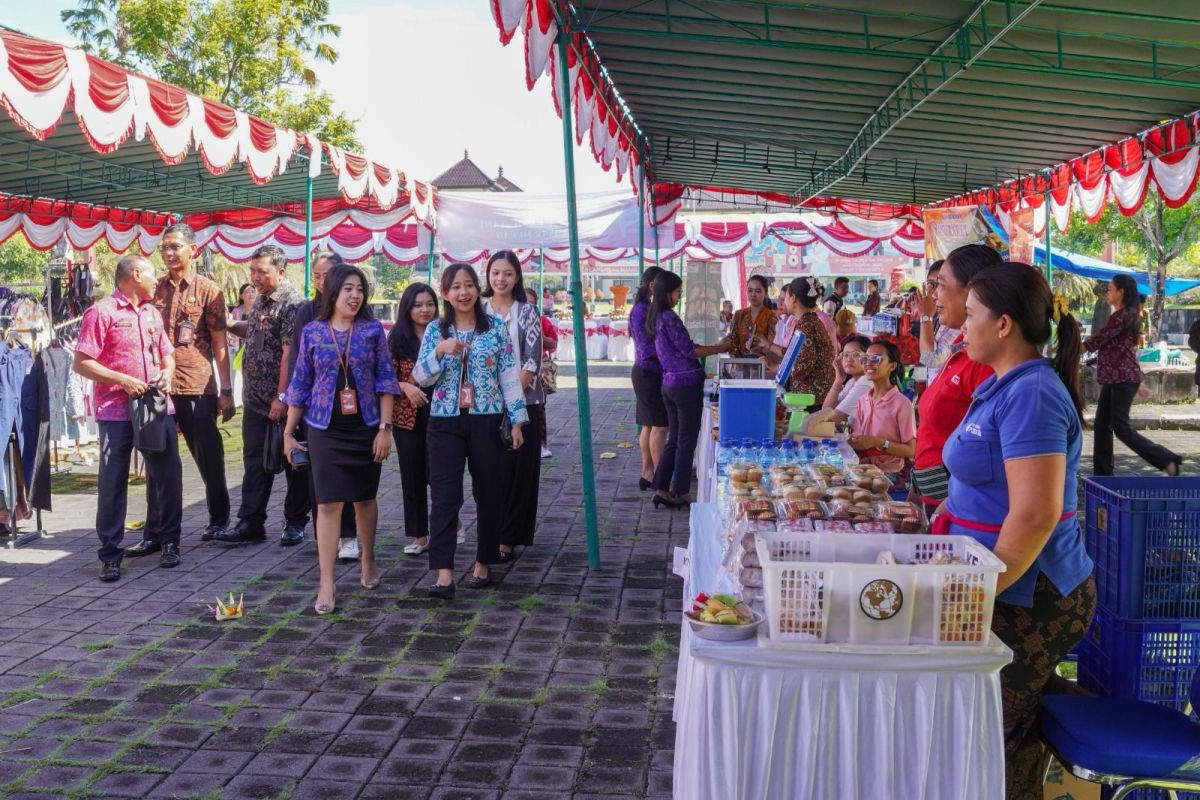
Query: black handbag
[148,415]
[272,459]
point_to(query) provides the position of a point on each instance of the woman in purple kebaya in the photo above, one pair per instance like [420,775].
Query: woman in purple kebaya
[647,376]
[682,391]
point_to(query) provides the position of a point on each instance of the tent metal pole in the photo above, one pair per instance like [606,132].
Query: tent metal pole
[308,236]
[641,212]
[581,377]
[1048,223]
[541,279]
[429,266]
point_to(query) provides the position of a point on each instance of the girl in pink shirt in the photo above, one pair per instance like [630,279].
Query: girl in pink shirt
[885,430]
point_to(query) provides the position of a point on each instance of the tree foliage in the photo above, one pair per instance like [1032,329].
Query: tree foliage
[255,55]
[20,263]
[1155,238]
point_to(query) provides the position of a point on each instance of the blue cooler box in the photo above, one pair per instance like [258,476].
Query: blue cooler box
[747,409]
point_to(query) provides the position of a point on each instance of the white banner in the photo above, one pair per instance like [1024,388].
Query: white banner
[504,221]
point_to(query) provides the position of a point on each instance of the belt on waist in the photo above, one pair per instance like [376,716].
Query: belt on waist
[942,522]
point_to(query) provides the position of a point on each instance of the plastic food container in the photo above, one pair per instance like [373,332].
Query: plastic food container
[717,632]
[820,589]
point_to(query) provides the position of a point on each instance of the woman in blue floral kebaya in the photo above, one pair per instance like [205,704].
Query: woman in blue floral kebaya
[469,359]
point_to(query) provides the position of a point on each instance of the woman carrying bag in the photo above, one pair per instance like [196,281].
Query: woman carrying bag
[343,386]
[506,300]
[469,360]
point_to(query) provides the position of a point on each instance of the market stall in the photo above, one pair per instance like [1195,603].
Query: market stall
[900,722]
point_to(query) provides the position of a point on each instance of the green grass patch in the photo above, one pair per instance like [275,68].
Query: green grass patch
[528,603]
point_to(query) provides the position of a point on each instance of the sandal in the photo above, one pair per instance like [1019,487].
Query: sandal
[371,583]
[323,608]
[416,549]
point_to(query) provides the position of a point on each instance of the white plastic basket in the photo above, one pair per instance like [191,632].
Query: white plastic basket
[821,588]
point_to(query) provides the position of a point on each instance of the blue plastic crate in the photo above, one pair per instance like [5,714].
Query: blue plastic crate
[1144,535]
[1151,661]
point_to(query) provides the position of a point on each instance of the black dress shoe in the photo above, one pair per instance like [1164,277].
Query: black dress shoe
[170,556]
[110,571]
[243,534]
[442,592]
[292,535]
[143,548]
[475,582]
[212,532]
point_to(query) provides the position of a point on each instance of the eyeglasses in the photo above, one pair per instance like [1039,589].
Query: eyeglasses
[852,356]
[875,359]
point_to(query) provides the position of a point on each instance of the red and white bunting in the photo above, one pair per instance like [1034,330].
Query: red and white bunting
[40,81]
[1165,159]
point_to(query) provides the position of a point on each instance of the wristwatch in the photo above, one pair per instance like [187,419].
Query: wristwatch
[385,426]
[281,397]
[926,318]
[885,445]
[227,392]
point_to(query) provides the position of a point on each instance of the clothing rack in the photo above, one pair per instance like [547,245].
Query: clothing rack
[13,537]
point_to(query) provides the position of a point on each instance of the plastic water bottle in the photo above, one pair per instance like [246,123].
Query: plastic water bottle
[768,452]
[789,452]
[830,453]
[725,454]
[808,453]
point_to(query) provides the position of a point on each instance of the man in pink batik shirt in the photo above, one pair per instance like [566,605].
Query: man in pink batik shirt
[124,350]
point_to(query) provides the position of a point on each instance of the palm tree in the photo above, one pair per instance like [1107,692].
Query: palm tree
[98,26]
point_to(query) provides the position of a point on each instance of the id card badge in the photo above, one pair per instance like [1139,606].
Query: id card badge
[348,398]
[187,333]
[466,396]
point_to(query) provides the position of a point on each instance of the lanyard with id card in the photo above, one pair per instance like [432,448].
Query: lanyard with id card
[466,389]
[347,397]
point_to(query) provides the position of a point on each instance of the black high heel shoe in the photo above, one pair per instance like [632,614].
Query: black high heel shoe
[644,484]
[660,501]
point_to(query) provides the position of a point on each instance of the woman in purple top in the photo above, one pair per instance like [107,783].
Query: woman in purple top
[682,391]
[647,383]
[343,386]
[1119,376]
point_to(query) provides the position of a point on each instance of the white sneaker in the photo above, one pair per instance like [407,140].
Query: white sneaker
[462,536]
[415,549]
[348,550]
[546,452]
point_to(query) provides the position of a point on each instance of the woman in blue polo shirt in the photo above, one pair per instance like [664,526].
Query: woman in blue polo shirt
[1022,434]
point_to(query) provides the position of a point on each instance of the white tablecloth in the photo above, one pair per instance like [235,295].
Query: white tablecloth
[597,343]
[566,341]
[620,344]
[706,457]
[756,723]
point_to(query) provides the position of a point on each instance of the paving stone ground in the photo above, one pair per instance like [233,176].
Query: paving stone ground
[556,684]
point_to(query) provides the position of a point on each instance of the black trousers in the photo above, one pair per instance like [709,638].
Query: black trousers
[524,468]
[413,455]
[196,415]
[257,484]
[473,441]
[1112,417]
[164,490]
[684,404]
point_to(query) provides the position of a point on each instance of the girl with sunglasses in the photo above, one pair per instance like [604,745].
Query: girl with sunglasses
[885,430]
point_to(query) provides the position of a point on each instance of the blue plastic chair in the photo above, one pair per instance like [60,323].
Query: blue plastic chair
[1127,744]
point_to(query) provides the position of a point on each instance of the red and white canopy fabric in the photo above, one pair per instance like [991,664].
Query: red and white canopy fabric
[593,97]
[45,222]
[1165,158]
[40,81]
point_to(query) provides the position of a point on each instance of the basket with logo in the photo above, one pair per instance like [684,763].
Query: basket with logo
[830,588]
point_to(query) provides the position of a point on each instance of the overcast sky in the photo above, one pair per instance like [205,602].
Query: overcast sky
[425,80]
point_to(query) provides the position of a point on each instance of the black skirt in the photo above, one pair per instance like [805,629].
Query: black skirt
[343,464]
[342,457]
[647,388]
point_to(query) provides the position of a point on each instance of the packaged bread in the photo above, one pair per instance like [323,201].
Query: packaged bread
[801,525]
[833,526]
[802,509]
[905,517]
[962,613]
[874,526]
[759,509]
[852,512]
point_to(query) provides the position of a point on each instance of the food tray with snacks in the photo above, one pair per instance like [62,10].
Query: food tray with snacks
[877,589]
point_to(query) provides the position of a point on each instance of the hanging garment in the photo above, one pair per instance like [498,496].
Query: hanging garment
[58,375]
[35,421]
[14,362]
